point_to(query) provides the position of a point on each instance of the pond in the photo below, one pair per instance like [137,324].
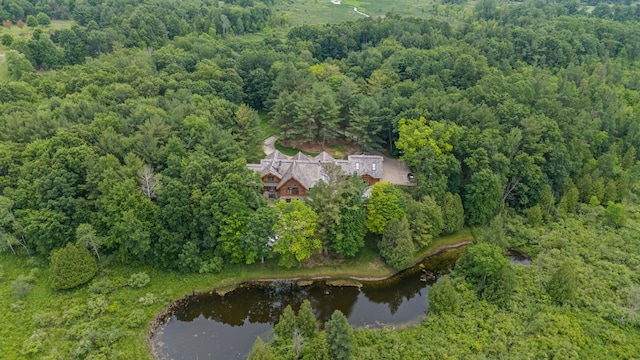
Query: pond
[225,327]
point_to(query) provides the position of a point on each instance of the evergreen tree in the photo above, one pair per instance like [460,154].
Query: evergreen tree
[396,246]
[260,351]
[71,266]
[563,285]
[339,336]
[306,320]
[452,213]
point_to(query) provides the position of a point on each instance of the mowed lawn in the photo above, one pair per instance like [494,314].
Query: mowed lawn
[323,11]
[25,33]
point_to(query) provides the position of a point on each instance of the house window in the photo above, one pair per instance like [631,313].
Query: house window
[292,191]
[270,178]
[373,167]
[272,196]
[357,166]
[287,200]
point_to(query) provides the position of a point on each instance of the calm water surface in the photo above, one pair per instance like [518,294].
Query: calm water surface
[225,327]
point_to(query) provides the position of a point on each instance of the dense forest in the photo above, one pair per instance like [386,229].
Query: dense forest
[124,141]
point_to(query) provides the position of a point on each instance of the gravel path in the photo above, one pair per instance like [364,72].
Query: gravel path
[269,145]
[395,172]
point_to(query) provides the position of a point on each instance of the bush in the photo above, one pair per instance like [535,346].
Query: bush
[35,343]
[139,280]
[72,266]
[212,266]
[16,306]
[21,286]
[148,299]
[136,318]
[97,305]
[32,21]
[43,19]
[45,320]
[6,40]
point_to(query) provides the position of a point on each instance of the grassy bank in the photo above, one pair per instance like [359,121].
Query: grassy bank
[114,318]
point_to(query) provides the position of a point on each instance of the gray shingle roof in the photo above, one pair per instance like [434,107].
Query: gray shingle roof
[308,171]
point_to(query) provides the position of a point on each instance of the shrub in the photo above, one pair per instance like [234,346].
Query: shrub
[148,299]
[72,266]
[100,287]
[212,266]
[21,286]
[17,306]
[6,40]
[97,305]
[45,320]
[138,280]
[32,21]
[35,343]
[136,318]
[43,19]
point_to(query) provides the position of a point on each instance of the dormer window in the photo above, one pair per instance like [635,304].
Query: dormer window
[357,166]
[270,178]
[373,167]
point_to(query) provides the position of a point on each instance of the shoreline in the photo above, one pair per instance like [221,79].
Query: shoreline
[163,315]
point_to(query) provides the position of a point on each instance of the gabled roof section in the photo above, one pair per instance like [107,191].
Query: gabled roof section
[271,168]
[277,155]
[366,165]
[300,157]
[324,157]
[307,173]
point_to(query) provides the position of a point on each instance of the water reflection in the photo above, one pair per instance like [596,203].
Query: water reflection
[225,327]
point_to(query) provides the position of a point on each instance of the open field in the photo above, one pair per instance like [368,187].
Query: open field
[324,11]
[24,34]
[59,323]
[26,31]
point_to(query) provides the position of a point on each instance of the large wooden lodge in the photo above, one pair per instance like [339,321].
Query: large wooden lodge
[290,177]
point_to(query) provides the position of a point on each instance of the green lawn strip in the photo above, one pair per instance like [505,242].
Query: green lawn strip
[290,150]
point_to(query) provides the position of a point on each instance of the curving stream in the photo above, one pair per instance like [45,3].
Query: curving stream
[225,327]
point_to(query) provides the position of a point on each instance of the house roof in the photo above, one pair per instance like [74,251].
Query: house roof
[366,165]
[270,168]
[308,171]
[277,155]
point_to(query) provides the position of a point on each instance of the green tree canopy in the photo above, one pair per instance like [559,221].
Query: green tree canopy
[385,203]
[295,231]
[71,266]
[396,246]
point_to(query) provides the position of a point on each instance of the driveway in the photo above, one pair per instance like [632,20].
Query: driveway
[395,172]
[269,145]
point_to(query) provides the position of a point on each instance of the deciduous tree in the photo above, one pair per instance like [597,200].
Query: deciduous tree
[295,230]
[385,203]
